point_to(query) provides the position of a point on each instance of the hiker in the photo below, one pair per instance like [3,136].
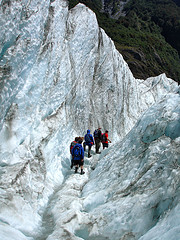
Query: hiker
[78,156]
[73,143]
[97,138]
[89,141]
[105,139]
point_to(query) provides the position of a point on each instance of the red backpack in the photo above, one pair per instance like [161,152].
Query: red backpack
[72,145]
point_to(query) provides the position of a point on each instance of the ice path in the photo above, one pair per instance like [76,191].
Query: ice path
[65,209]
[47,220]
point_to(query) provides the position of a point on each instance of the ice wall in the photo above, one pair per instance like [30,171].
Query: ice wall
[133,188]
[60,74]
[60,59]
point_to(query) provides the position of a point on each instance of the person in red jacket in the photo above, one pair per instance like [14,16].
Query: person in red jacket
[105,139]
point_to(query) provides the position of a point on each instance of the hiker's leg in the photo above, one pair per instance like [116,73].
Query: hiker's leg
[81,165]
[76,164]
[105,145]
[98,145]
[89,151]
[76,168]
[72,162]
[84,146]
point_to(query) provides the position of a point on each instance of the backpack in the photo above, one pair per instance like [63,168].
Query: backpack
[96,133]
[77,151]
[104,138]
[87,138]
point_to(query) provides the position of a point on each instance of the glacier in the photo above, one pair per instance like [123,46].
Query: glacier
[61,75]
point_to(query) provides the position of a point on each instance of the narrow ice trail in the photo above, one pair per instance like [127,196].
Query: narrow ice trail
[66,202]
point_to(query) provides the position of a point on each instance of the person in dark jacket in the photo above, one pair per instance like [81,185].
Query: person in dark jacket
[73,143]
[97,138]
[89,141]
[78,156]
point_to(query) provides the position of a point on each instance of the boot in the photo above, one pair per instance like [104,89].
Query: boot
[76,169]
[82,172]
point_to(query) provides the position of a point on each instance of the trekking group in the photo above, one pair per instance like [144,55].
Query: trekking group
[77,150]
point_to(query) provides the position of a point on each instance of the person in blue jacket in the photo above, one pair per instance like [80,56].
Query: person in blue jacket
[89,141]
[78,156]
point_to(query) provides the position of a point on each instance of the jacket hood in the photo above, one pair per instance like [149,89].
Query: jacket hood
[88,131]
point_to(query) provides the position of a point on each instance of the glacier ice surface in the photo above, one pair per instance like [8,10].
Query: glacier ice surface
[61,75]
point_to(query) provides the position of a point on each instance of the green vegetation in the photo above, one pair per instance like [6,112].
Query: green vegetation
[73,3]
[148,36]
